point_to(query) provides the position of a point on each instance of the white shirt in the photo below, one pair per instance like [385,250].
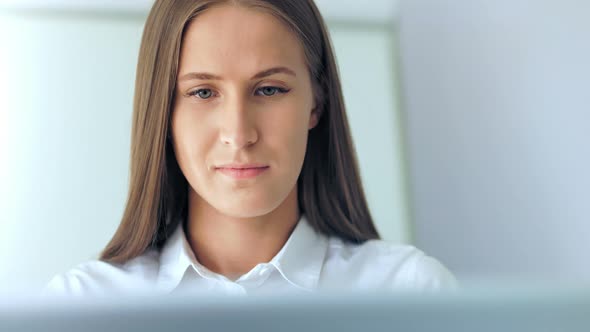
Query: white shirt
[308,261]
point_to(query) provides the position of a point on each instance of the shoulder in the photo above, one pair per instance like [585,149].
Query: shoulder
[99,278]
[378,264]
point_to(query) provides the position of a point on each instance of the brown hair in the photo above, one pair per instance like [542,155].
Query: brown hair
[330,192]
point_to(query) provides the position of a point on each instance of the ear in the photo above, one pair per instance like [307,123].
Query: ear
[314,118]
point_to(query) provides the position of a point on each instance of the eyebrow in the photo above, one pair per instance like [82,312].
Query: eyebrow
[262,74]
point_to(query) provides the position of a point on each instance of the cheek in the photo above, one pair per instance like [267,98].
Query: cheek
[286,131]
[191,137]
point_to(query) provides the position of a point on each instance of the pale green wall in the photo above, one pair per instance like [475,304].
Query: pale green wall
[366,57]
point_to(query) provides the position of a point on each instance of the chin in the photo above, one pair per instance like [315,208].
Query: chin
[248,208]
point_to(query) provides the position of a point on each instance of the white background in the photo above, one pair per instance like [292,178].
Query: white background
[497,97]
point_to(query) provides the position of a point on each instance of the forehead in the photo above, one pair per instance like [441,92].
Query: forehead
[230,38]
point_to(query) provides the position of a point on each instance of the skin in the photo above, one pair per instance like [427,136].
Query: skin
[235,224]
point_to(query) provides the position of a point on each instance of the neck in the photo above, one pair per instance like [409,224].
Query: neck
[232,246]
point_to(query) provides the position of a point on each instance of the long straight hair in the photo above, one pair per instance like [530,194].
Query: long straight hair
[330,191]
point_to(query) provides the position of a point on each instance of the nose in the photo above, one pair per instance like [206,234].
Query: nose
[238,128]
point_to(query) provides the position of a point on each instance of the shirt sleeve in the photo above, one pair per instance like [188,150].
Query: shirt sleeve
[88,278]
[431,275]
[67,284]
[97,279]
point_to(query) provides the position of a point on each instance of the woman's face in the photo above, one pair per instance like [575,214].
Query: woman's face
[243,97]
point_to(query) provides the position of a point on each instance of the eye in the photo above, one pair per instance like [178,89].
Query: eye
[270,91]
[267,91]
[201,93]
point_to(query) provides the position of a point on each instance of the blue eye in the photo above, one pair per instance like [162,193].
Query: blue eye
[270,91]
[201,93]
[267,91]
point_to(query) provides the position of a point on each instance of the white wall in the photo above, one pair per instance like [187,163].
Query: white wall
[497,101]
[66,108]
[65,111]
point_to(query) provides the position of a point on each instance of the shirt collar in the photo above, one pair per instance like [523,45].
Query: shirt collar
[299,261]
[175,257]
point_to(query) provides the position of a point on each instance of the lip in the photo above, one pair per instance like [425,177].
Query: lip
[242,171]
[242,166]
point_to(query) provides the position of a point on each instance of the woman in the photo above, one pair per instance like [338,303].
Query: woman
[243,174]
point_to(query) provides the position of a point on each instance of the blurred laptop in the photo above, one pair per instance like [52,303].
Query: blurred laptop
[459,311]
